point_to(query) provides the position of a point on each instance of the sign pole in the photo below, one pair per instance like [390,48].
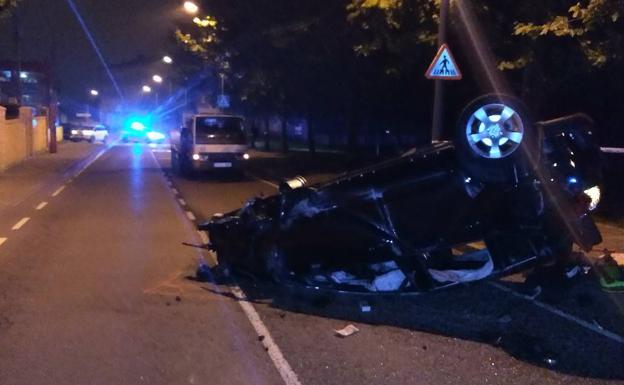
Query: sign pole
[438,97]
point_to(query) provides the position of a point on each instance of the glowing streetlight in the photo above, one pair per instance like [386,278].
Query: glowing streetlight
[167,60]
[190,7]
[157,79]
[147,89]
[94,92]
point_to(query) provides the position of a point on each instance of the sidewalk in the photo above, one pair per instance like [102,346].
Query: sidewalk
[20,182]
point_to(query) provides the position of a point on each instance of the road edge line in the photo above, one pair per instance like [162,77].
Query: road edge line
[605,333]
[280,363]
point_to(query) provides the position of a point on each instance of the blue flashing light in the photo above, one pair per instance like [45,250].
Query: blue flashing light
[572,180]
[137,126]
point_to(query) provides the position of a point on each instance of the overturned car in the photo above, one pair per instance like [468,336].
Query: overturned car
[523,190]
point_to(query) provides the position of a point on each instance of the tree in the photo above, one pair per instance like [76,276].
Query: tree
[6,5]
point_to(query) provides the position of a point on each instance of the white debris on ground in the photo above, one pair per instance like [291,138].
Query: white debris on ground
[347,331]
[388,276]
[470,275]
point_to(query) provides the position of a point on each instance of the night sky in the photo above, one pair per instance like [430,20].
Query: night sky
[124,30]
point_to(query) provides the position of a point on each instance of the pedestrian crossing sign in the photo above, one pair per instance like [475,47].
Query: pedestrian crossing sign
[444,66]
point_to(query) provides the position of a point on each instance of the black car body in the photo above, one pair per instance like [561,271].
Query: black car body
[414,215]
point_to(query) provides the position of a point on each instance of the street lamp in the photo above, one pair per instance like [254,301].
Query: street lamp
[94,92]
[157,79]
[190,7]
[167,59]
[147,89]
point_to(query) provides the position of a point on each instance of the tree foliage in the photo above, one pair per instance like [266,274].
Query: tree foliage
[595,25]
[6,5]
[358,65]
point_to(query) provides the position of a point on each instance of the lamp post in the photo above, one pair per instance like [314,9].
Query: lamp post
[438,97]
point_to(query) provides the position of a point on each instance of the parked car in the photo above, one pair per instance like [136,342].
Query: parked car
[209,142]
[525,189]
[89,132]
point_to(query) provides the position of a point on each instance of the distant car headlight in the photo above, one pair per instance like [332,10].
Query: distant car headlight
[74,132]
[155,135]
[196,157]
[594,194]
[246,156]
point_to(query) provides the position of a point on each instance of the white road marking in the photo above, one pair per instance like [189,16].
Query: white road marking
[21,223]
[203,236]
[58,191]
[283,367]
[182,202]
[175,191]
[2,240]
[605,333]
[42,205]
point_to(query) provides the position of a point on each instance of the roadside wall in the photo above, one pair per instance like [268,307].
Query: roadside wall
[40,134]
[22,137]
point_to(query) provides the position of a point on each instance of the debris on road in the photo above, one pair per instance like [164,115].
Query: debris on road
[203,273]
[610,273]
[347,331]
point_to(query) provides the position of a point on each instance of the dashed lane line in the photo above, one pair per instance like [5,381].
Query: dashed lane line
[190,216]
[21,223]
[182,202]
[58,191]
[175,191]
[42,205]
[2,240]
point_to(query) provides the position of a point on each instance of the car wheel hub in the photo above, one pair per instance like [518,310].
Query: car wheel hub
[494,131]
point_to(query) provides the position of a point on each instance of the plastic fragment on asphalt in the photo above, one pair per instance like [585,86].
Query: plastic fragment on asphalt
[347,331]
[342,277]
[203,273]
[390,281]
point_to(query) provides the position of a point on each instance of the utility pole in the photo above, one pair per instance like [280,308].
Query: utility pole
[438,97]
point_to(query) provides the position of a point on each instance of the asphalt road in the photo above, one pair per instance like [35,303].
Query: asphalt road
[96,287]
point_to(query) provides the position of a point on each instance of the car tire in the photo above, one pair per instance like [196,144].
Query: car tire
[495,152]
